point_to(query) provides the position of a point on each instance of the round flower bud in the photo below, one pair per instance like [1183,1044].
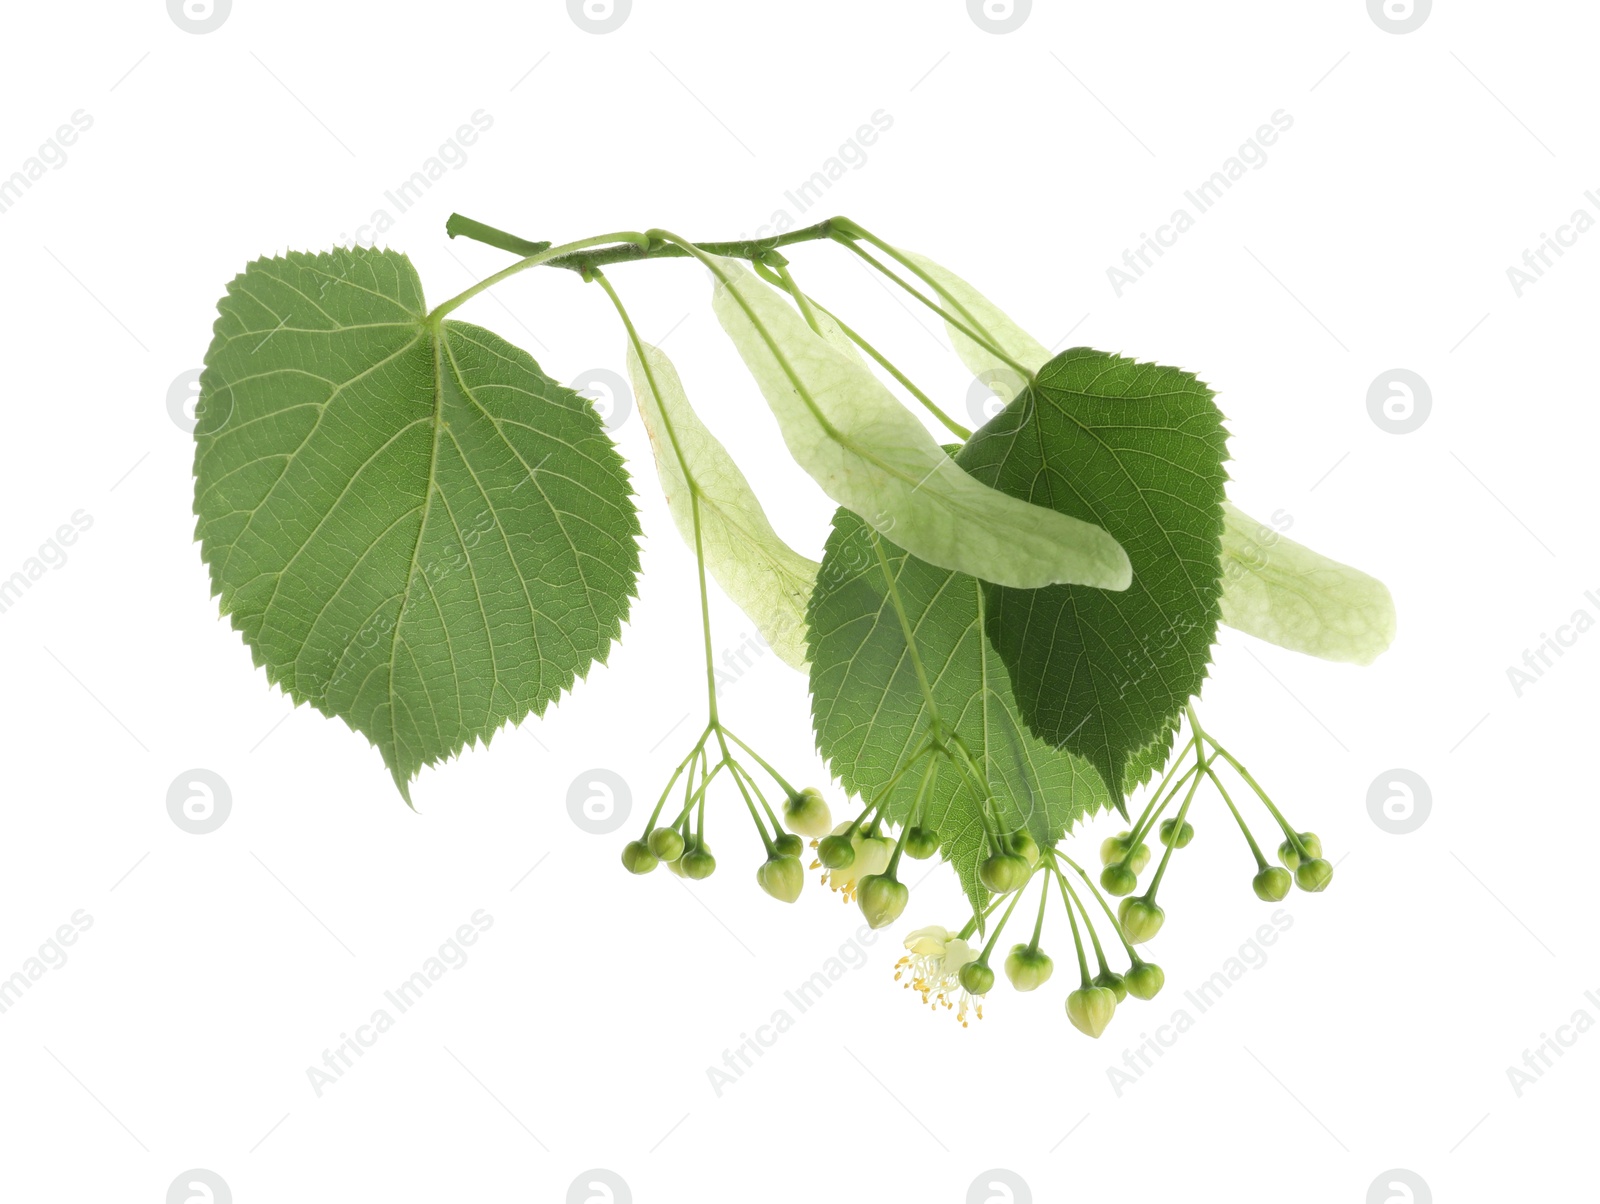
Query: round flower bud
[698,863]
[1113,982]
[1004,872]
[1314,875]
[666,843]
[807,813]
[1144,980]
[881,899]
[1114,848]
[1118,879]
[787,844]
[782,878]
[1140,918]
[1028,967]
[836,852]
[1090,1009]
[636,855]
[922,843]
[1312,843]
[976,978]
[1022,843]
[1174,837]
[1138,857]
[1272,883]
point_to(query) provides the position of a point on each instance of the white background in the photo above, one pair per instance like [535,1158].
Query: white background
[218,968]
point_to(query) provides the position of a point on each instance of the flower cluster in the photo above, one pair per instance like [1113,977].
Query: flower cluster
[948,971]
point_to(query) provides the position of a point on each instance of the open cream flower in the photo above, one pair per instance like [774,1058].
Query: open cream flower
[871,857]
[933,961]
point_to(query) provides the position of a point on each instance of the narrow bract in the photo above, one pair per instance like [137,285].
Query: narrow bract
[765,577]
[872,456]
[1283,592]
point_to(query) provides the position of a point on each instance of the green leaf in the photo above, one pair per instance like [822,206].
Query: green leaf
[869,712]
[1143,765]
[765,577]
[414,528]
[871,455]
[1273,588]
[1283,592]
[1137,449]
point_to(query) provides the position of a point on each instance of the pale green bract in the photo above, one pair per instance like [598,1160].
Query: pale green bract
[872,456]
[986,318]
[765,577]
[1283,592]
[414,528]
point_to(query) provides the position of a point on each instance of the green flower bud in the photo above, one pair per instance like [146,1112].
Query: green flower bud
[787,844]
[1290,856]
[1090,1009]
[1113,982]
[1121,848]
[666,843]
[1004,872]
[836,852]
[782,878]
[1169,829]
[636,855]
[1028,968]
[922,843]
[1272,883]
[881,899]
[1118,879]
[1144,980]
[698,863]
[1314,875]
[807,813]
[1022,843]
[977,978]
[1140,918]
